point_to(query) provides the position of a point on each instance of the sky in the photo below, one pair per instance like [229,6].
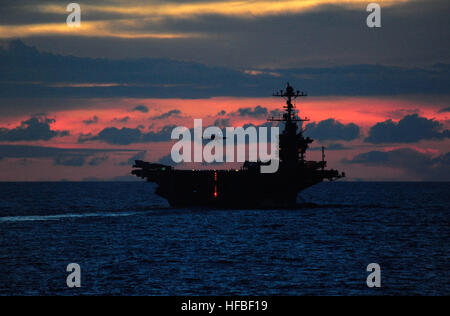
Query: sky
[80,104]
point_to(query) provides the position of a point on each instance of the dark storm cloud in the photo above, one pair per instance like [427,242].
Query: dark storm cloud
[126,136]
[331,129]
[414,162]
[168,114]
[444,110]
[29,73]
[93,120]
[33,129]
[411,128]
[140,108]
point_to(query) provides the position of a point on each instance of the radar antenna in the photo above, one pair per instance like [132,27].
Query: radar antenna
[289,94]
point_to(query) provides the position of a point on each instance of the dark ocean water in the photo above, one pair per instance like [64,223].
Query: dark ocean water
[128,241]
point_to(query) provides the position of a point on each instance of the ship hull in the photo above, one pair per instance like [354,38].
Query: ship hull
[232,189]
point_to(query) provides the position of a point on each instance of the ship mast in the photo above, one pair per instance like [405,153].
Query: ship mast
[289,95]
[292,144]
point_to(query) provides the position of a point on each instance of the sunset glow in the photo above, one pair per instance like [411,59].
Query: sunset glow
[84,102]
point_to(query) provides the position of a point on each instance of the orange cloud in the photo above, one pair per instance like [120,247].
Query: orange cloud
[135,16]
[87,28]
[235,8]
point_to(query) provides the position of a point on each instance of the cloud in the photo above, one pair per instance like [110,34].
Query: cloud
[140,108]
[167,160]
[411,161]
[70,161]
[276,113]
[245,127]
[444,110]
[79,161]
[60,156]
[164,78]
[420,23]
[33,129]
[139,156]
[113,135]
[96,161]
[93,120]
[331,129]
[162,135]
[222,122]
[257,111]
[252,112]
[400,113]
[126,136]
[333,146]
[171,113]
[411,128]
[121,119]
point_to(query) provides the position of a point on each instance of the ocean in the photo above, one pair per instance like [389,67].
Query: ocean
[128,241]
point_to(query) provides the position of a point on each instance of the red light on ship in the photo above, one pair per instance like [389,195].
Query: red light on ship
[215,185]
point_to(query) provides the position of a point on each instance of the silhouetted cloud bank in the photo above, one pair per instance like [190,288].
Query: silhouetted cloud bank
[416,163]
[33,129]
[331,129]
[410,129]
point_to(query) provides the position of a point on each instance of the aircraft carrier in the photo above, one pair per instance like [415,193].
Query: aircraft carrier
[246,187]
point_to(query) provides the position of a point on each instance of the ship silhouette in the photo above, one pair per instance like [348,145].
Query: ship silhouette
[246,187]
